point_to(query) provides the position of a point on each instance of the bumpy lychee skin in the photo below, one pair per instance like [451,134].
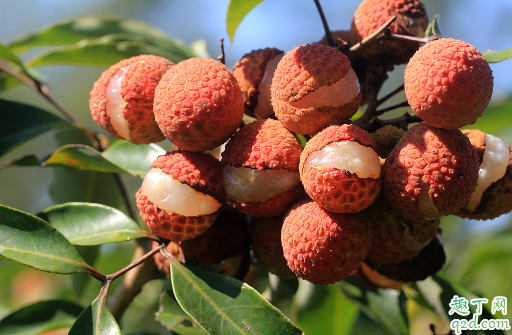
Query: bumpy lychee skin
[122,98]
[412,20]
[254,73]
[323,247]
[313,86]
[182,194]
[492,196]
[431,172]
[260,169]
[340,169]
[387,137]
[448,83]
[265,236]
[198,104]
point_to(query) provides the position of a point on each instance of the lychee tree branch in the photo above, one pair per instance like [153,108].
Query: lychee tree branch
[328,35]
[401,122]
[390,95]
[374,37]
[374,80]
[389,35]
[222,57]
[390,108]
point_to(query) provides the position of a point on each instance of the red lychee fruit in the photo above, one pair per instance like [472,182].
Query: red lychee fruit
[254,73]
[492,196]
[260,169]
[431,172]
[313,86]
[182,194]
[448,83]
[387,137]
[323,247]
[266,244]
[340,169]
[122,98]
[411,20]
[198,104]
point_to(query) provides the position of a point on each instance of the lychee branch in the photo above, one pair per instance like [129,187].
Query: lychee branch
[390,95]
[401,122]
[374,37]
[390,108]
[124,195]
[328,35]
[392,36]
[222,57]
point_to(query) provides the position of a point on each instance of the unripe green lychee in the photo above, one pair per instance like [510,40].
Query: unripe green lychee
[198,104]
[260,169]
[182,194]
[431,172]
[340,169]
[122,98]
[314,86]
[387,137]
[323,247]
[254,73]
[448,83]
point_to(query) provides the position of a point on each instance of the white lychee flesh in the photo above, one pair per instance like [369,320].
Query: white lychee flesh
[493,168]
[346,155]
[114,108]
[172,195]
[244,184]
[338,94]
[264,107]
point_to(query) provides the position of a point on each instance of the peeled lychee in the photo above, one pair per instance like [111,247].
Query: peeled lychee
[340,169]
[411,20]
[314,86]
[431,172]
[492,196]
[122,98]
[323,247]
[254,73]
[261,169]
[198,104]
[182,194]
[448,83]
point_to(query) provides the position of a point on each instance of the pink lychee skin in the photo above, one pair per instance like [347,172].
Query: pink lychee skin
[198,104]
[301,71]
[448,83]
[201,171]
[339,190]
[137,91]
[443,159]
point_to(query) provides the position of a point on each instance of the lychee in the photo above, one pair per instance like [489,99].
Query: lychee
[254,73]
[492,196]
[448,83]
[339,37]
[340,169]
[314,86]
[198,104]
[323,247]
[182,194]
[387,137]
[411,19]
[431,172]
[122,98]
[261,169]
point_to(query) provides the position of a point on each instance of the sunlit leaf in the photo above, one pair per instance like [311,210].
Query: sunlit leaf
[40,317]
[92,224]
[171,316]
[497,56]
[6,54]
[237,10]
[96,319]
[29,240]
[434,27]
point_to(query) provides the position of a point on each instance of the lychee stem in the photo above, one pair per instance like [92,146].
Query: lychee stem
[375,78]
[222,57]
[401,122]
[390,108]
[392,36]
[328,35]
[374,37]
[387,97]
[125,196]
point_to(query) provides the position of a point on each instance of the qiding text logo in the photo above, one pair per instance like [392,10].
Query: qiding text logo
[460,306]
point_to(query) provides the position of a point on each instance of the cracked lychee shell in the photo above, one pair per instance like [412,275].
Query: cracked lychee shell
[254,73]
[314,86]
[340,169]
[448,83]
[122,98]
[182,195]
[431,172]
[260,169]
[323,247]
[492,196]
[198,104]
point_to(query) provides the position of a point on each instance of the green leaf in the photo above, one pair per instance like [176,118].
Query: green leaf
[172,317]
[136,159]
[224,305]
[72,31]
[29,240]
[28,160]
[96,319]
[434,28]
[384,306]
[497,56]
[22,122]
[92,224]
[237,10]
[8,55]
[40,317]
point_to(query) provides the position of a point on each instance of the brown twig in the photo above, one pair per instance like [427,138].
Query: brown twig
[328,35]
[390,108]
[390,95]
[125,196]
[392,36]
[401,122]
[374,37]
[222,57]
[374,80]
